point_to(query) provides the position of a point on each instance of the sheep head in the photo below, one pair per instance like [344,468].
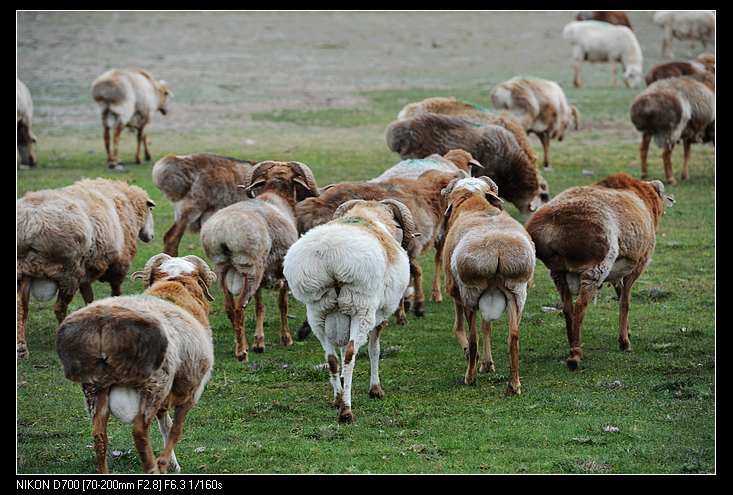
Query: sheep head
[381,210]
[458,190]
[163,267]
[463,160]
[294,178]
[164,93]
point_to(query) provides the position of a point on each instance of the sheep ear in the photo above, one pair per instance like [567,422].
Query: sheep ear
[448,211]
[137,275]
[475,163]
[494,200]
[150,203]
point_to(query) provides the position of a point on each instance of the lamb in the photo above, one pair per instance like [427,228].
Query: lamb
[692,68]
[540,107]
[198,185]
[496,148]
[128,97]
[596,41]
[492,261]
[616,17]
[670,110]
[603,233]
[248,240]
[698,26]
[351,274]
[474,113]
[70,237]
[138,356]
[24,117]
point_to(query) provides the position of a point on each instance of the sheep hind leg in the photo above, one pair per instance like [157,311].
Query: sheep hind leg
[141,438]
[587,291]
[488,361]
[437,295]
[100,418]
[458,330]
[116,146]
[470,377]
[667,159]
[282,300]
[349,360]
[545,138]
[144,138]
[164,425]
[137,146]
[419,298]
[172,238]
[516,306]
[87,293]
[106,145]
[164,460]
[624,302]
[62,303]
[576,79]
[686,159]
[614,81]
[643,154]
[259,342]
[375,387]
[561,285]
[23,298]
[236,318]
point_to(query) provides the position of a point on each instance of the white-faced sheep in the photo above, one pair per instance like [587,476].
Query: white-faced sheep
[351,274]
[137,357]
[616,17]
[540,106]
[503,158]
[248,240]
[490,261]
[198,185]
[670,110]
[128,98]
[595,41]
[24,116]
[70,237]
[685,25]
[604,233]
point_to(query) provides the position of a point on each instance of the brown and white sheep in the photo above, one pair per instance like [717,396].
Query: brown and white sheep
[490,262]
[198,185]
[137,357]
[70,237]
[685,25]
[708,60]
[594,41]
[128,97]
[616,17]
[247,242]
[588,236]
[503,158]
[692,68]
[24,117]
[671,110]
[539,106]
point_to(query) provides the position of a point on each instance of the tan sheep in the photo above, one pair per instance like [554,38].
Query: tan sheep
[588,236]
[128,97]
[685,25]
[24,117]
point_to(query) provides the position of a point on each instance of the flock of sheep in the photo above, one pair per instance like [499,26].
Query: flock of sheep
[347,251]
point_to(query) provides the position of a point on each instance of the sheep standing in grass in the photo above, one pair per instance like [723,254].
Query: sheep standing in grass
[128,97]
[248,240]
[595,41]
[351,274]
[540,107]
[588,236]
[491,260]
[198,185]
[137,357]
[670,110]
[697,26]
[24,117]
[70,237]
[503,159]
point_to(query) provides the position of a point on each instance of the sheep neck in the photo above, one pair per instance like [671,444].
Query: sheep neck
[184,292]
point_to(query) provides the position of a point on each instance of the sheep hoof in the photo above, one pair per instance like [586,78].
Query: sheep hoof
[242,356]
[624,345]
[303,332]
[148,158]
[469,379]
[137,161]
[419,309]
[407,305]
[376,391]
[338,401]
[513,389]
[259,345]
[162,465]
[487,368]
[22,350]
[671,181]
[437,297]
[401,319]
[573,362]
[345,415]
[175,467]
[286,340]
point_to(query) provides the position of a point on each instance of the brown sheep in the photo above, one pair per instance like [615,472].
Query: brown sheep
[588,236]
[137,357]
[708,60]
[695,70]
[616,17]
[496,148]
[670,110]
[198,186]
[490,262]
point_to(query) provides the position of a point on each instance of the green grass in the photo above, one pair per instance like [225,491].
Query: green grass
[275,416]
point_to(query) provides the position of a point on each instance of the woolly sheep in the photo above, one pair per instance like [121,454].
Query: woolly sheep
[698,26]
[596,41]
[24,117]
[70,237]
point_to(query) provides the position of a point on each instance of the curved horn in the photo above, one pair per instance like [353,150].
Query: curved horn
[492,196]
[258,170]
[345,206]
[147,270]
[449,188]
[404,218]
[304,171]
[205,275]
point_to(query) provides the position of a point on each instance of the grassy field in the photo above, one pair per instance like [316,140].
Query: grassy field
[274,415]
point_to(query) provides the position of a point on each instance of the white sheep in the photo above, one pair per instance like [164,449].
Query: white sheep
[136,357]
[70,237]
[596,41]
[699,26]
[24,116]
[128,97]
[351,274]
